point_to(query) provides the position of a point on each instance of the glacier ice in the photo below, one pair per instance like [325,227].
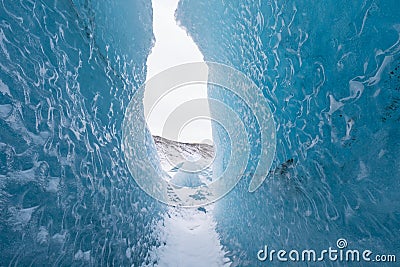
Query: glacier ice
[67,70]
[330,71]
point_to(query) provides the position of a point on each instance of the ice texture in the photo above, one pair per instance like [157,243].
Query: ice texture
[331,73]
[329,69]
[68,70]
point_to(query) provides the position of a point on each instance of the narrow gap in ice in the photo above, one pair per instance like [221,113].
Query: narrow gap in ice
[173,46]
[188,235]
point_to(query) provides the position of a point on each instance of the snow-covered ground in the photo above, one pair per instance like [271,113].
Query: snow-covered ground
[190,240]
[188,235]
[174,155]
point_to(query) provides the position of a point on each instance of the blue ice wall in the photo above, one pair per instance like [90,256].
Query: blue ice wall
[67,72]
[331,72]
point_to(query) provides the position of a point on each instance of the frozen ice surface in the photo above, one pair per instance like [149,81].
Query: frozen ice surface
[331,73]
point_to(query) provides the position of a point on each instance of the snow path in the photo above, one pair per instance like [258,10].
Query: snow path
[190,240]
[188,236]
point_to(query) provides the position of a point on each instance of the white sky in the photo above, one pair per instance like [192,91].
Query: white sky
[173,47]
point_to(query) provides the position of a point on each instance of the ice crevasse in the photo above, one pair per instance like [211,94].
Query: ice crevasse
[330,71]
